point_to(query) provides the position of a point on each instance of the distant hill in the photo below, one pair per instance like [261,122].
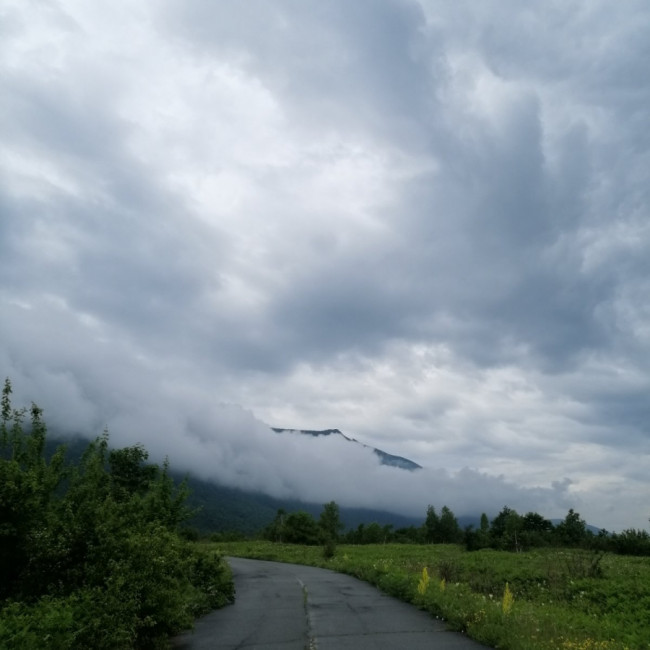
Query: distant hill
[384,457]
[229,509]
[224,508]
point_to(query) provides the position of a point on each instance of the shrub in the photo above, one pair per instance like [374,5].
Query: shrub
[90,553]
[448,570]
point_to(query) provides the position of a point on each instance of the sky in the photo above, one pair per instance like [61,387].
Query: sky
[423,223]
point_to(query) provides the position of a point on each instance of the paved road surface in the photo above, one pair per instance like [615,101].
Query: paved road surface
[293,607]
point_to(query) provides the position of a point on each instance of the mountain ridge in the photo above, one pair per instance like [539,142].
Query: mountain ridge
[385,458]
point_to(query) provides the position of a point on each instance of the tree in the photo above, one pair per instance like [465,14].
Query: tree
[301,528]
[534,522]
[449,529]
[432,526]
[632,542]
[27,488]
[478,539]
[274,531]
[409,535]
[330,522]
[535,530]
[505,530]
[573,530]
[443,528]
[129,473]
[355,535]
[374,534]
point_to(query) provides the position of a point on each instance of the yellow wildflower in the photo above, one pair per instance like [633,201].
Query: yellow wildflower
[508,600]
[424,582]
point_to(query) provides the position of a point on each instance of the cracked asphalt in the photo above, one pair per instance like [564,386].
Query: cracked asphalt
[294,607]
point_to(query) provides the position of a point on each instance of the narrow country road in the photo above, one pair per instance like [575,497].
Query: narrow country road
[293,607]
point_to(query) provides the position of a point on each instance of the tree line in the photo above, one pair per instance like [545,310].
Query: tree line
[508,531]
[91,554]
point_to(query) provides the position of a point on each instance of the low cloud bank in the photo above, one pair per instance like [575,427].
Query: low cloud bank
[113,387]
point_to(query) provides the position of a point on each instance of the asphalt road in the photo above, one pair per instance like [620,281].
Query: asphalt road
[293,607]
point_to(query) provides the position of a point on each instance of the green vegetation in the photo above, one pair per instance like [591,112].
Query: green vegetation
[545,599]
[301,528]
[90,555]
[508,531]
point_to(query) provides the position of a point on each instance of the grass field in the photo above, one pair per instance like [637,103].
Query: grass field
[550,599]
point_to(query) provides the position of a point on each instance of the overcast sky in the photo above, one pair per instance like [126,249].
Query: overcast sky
[425,223]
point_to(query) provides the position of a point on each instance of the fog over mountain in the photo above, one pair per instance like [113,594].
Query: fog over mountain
[423,223]
[229,445]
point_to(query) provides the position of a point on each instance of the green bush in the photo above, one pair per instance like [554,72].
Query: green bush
[90,554]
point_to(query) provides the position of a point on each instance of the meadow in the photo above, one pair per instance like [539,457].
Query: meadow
[546,599]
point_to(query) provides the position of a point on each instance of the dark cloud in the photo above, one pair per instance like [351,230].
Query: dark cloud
[333,64]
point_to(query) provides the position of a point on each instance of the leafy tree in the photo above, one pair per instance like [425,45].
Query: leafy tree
[374,534]
[27,484]
[478,539]
[535,530]
[387,533]
[409,535]
[505,530]
[443,528]
[572,531]
[432,526]
[330,522]
[128,472]
[631,542]
[534,522]
[301,528]
[450,532]
[353,536]
[603,541]
[275,530]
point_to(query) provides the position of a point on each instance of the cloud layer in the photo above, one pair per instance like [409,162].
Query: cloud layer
[424,224]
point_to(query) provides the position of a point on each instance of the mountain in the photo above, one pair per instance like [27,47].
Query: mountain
[223,508]
[230,509]
[219,508]
[384,457]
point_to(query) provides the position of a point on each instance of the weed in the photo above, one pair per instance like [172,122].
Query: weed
[424,582]
[508,600]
